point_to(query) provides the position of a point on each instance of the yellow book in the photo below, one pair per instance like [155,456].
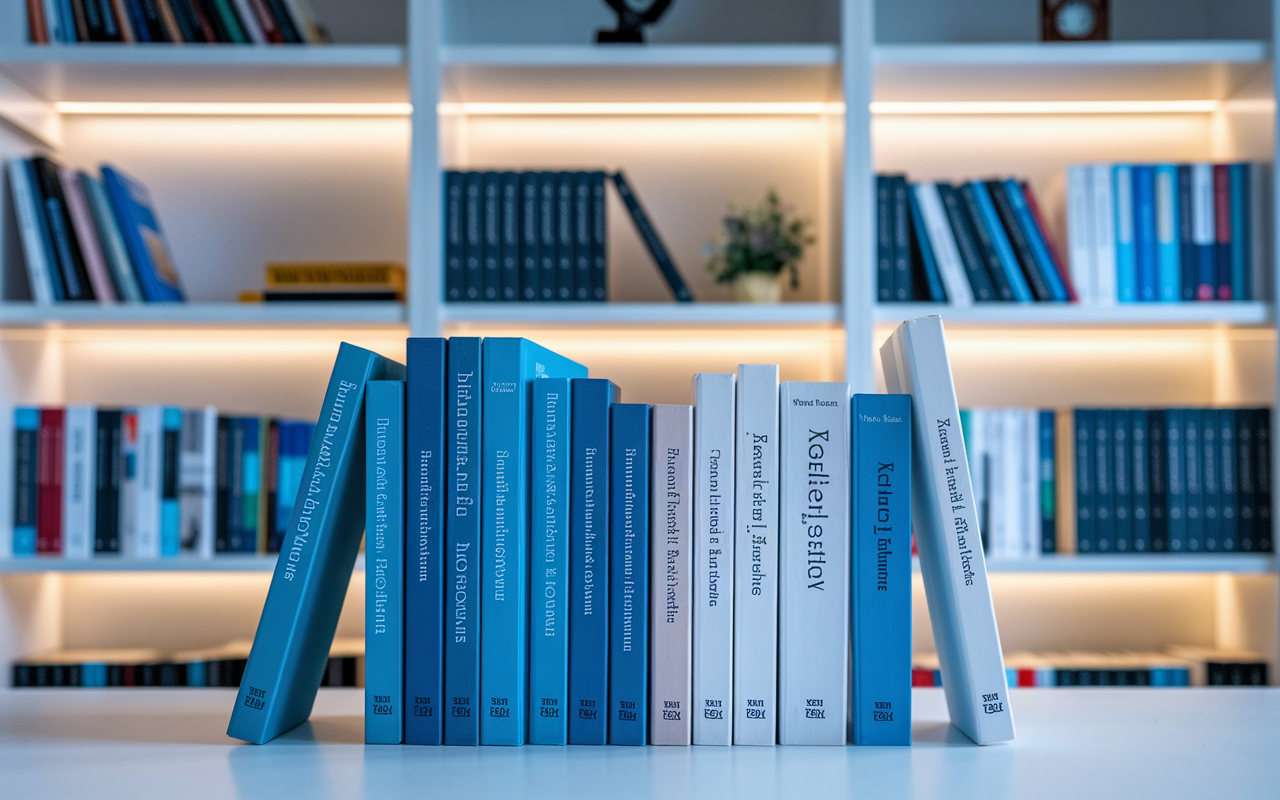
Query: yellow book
[345,277]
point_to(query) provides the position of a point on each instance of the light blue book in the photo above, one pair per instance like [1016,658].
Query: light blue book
[170,509]
[384,563]
[1126,248]
[26,448]
[291,646]
[1000,240]
[509,366]
[1168,240]
[549,563]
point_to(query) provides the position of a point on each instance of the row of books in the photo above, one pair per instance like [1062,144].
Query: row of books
[330,282]
[152,481]
[176,21]
[1146,233]
[1177,666]
[1013,460]
[537,236]
[87,238]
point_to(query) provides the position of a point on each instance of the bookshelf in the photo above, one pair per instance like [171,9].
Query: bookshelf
[335,152]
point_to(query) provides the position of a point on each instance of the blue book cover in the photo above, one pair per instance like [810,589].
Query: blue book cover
[1210,476]
[629,574]
[1103,483]
[903,284]
[1193,464]
[291,646]
[384,624]
[424,487]
[491,236]
[1158,477]
[1188,256]
[140,228]
[1228,516]
[250,483]
[1176,484]
[885,273]
[1241,253]
[510,235]
[1168,238]
[473,236]
[1035,237]
[170,512]
[1144,232]
[1085,534]
[463,429]
[1140,481]
[1126,252]
[589,561]
[549,563]
[1262,477]
[1048,481]
[1121,486]
[974,263]
[455,279]
[26,448]
[530,222]
[509,366]
[1005,256]
[1246,485]
[924,248]
[880,704]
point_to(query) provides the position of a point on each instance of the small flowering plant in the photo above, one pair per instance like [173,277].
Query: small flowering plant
[765,239]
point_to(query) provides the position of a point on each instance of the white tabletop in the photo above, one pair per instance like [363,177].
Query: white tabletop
[1072,743]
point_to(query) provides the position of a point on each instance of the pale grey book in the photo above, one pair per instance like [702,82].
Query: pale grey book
[670,578]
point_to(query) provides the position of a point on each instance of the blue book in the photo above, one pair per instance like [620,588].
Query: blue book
[1103,483]
[291,646]
[589,561]
[424,486]
[1193,463]
[455,280]
[1176,484]
[463,430]
[148,251]
[629,574]
[1210,476]
[549,563]
[1262,477]
[473,236]
[885,273]
[1035,237]
[1121,486]
[509,366]
[26,449]
[880,619]
[530,223]
[170,512]
[1168,238]
[1188,257]
[974,262]
[999,242]
[1126,252]
[924,249]
[1140,480]
[1085,534]
[1158,477]
[384,624]
[1144,233]
[1241,253]
[1229,504]
[250,483]
[1048,481]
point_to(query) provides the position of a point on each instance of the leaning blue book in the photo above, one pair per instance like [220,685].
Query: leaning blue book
[462,543]
[384,629]
[880,707]
[629,573]
[291,646]
[1000,242]
[589,561]
[145,242]
[424,487]
[510,366]
[549,563]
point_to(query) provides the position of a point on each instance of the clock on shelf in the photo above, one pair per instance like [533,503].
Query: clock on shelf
[1073,20]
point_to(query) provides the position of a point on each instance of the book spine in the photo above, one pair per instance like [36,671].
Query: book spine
[1259,231]
[582,236]
[1210,478]
[670,591]
[922,251]
[1246,481]
[1018,237]
[980,281]
[549,570]
[1006,259]
[1193,463]
[463,438]
[424,530]
[1167,242]
[904,288]
[548,188]
[250,484]
[473,235]
[384,440]
[197,481]
[1104,234]
[649,234]
[1126,249]
[530,223]
[75,279]
[510,236]
[1080,249]
[1121,482]
[491,236]
[1104,526]
[1144,234]
[1047,481]
[170,518]
[1228,481]
[35,245]
[1158,476]
[1140,481]
[1024,197]
[589,561]
[943,243]
[77,479]
[49,484]
[108,231]
[106,479]
[148,251]
[985,246]
[880,497]
[26,480]
[599,239]
[885,272]
[455,284]
[129,481]
[1203,230]
[1241,239]
[279,449]
[1262,479]
[1175,459]
[566,223]
[222,502]
[629,574]
[755,621]
[715,395]
[1223,246]
[149,454]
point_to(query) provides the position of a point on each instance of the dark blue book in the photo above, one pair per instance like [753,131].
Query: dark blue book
[548,209]
[880,608]
[106,477]
[1241,250]
[974,264]
[657,250]
[922,249]
[509,233]
[1047,479]
[985,247]
[473,236]
[463,432]
[885,273]
[599,239]
[1036,279]
[566,220]
[1246,482]
[1140,481]
[1085,501]
[1193,463]
[455,283]
[384,604]
[424,487]
[1121,482]
[1228,482]
[988,222]
[1211,480]
[1187,255]
[68,260]
[530,223]
[491,236]
[291,646]
[236,534]
[26,454]
[1035,237]
[1104,526]
[1262,462]
[1158,476]
[582,236]
[903,287]
[629,574]
[589,561]
[1144,233]
[1175,460]
[222,484]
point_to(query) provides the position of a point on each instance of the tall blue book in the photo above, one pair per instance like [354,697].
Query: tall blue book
[1158,476]
[880,705]
[1140,480]
[291,646]
[589,561]
[463,430]
[629,574]
[510,366]
[1144,233]
[1084,481]
[549,563]
[26,436]
[384,627]
[1104,504]
[145,242]
[1228,479]
[1005,256]
[424,487]
[1168,238]
[1210,481]
[1193,465]
[1126,252]
[1176,482]
[1121,483]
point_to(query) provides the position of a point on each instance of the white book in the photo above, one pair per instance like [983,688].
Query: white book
[813,563]
[670,576]
[197,481]
[945,251]
[755,577]
[148,458]
[715,395]
[29,215]
[1259,230]
[129,482]
[1030,526]
[947,535]
[78,491]
[1104,235]
[1203,230]
[1080,248]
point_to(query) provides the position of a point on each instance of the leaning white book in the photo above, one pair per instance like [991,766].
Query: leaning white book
[813,563]
[670,579]
[947,536]
[197,481]
[755,576]
[78,490]
[713,429]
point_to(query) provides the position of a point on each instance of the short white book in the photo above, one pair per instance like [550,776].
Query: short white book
[78,489]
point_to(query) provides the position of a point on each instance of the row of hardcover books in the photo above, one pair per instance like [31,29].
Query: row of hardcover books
[537,236]
[88,238]
[152,481]
[176,21]
[1013,461]
[1177,666]
[1146,233]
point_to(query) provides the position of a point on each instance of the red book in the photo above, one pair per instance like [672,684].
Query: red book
[921,677]
[49,482]
[1222,228]
[1058,262]
[1026,677]
[35,20]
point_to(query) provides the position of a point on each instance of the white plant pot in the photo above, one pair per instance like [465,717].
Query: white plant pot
[757,287]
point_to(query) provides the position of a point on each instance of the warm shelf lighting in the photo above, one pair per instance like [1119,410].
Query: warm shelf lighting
[986,107]
[166,109]
[639,109]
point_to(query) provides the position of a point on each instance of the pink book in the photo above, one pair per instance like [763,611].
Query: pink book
[87,235]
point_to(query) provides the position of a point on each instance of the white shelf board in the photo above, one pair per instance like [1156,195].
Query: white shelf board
[210,73]
[614,314]
[653,73]
[1238,563]
[1159,70]
[220,563]
[197,315]
[1070,314]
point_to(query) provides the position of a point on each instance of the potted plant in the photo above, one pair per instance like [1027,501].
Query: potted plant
[756,246]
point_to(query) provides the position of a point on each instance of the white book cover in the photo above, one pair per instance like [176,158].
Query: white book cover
[78,490]
[148,461]
[813,563]
[1104,235]
[755,577]
[129,482]
[947,535]
[197,476]
[715,397]
[1080,248]
[670,576]
[23,195]
[1259,231]
[1015,496]
[945,251]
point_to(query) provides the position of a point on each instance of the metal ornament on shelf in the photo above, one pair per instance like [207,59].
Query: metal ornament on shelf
[630,18]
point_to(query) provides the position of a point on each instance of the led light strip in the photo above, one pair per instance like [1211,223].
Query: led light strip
[166,109]
[1010,107]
